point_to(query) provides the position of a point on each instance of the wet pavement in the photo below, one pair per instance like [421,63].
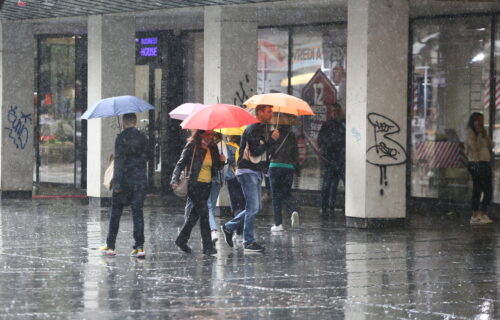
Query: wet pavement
[438,267]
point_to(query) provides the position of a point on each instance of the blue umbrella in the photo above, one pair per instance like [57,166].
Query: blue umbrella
[116,106]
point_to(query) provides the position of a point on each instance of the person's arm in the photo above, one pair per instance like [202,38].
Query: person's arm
[338,136]
[218,163]
[231,156]
[118,164]
[186,155]
[294,152]
[256,142]
[322,137]
[470,143]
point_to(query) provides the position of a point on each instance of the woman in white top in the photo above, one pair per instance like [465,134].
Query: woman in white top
[478,146]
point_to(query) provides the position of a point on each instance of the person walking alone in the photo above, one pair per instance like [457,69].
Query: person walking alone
[331,142]
[252,161]
[478,146]
[204,155]
[129,184]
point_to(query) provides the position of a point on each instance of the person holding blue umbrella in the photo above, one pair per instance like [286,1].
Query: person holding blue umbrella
[129,184]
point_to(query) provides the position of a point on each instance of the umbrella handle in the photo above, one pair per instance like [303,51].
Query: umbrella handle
[119,123]
[220,131]
[278,120]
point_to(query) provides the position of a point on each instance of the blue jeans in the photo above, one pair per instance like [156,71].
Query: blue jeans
[281,180]
[133,195]
[331,178]
[212,203]
[251,185]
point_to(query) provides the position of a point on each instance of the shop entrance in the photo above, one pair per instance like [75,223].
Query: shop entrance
[148,74]
[168,73]
[60,100]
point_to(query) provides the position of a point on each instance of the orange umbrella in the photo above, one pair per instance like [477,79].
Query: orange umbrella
[281,102]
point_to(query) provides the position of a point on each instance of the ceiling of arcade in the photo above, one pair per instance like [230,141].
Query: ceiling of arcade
[161,14]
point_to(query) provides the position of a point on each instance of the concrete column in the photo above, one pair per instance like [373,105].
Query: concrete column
[17,117]
[111,72]
[377,51]
[230,49]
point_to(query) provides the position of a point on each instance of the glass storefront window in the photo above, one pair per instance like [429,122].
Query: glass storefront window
[450,70]
[272,63]
[496,127]
[318,76]
[59,100]
[314,72]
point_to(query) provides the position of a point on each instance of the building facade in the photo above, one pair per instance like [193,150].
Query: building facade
[408,74]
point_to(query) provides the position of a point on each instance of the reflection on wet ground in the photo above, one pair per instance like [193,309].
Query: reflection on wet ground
[436,268]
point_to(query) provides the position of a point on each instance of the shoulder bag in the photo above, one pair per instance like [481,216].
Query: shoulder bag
[108,174]
[182,186]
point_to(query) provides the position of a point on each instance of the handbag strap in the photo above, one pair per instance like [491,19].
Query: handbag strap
[279,147]
[192,160]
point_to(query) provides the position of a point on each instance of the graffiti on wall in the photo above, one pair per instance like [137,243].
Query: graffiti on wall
[18,126]
[386,151]
[244,91]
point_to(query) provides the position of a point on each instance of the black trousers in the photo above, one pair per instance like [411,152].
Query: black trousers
[133,195]
[237,199]
[198,193]
[481,183]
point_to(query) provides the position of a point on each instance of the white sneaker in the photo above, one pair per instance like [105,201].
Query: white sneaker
[295,219]
[476,220]
[276,228]
[485,219]
[215,236]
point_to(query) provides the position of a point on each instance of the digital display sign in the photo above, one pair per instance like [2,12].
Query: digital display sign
[149,52]
[149,40]
[148,46]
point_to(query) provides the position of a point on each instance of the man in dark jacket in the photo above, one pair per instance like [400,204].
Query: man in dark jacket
[331,142]
[129,184]
[255,143]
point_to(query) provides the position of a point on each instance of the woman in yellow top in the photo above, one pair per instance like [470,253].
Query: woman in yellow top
[478,146]
[206,161]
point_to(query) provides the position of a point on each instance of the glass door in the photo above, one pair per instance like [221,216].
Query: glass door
[60,99]
[147,87]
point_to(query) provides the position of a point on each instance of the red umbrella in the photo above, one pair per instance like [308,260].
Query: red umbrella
[218,116]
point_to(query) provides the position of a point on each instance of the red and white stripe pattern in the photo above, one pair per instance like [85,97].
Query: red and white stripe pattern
[440,154]
[486,94]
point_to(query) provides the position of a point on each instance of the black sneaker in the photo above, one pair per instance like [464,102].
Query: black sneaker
[184,247]
[210,252]
[228,236]
[254,247]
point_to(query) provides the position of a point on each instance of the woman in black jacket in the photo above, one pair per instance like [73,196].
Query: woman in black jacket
[206,160]
[283,164]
